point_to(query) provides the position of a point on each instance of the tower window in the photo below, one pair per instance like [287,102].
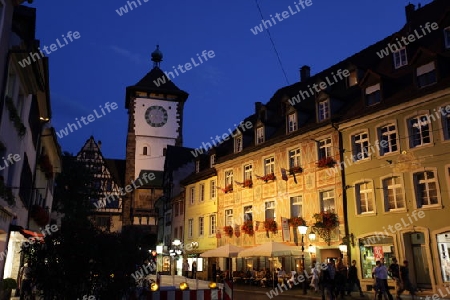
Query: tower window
[144,151]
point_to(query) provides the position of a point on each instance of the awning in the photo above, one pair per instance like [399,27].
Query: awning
[31,235]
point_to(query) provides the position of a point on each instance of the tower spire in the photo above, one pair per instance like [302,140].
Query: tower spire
[157,57]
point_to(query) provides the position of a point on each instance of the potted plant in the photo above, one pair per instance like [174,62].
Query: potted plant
[326,221]
[296,169]
[271,225]
[326,162]
[296,221]
[6,287]
[248,183]
[247,227]
[228,230]
[228,188]
[268,177]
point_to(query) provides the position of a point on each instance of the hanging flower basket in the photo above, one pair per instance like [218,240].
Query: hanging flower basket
[326,221]
[228,189]
[295,170]
[326,162]
[248,183]
[247,227]
[271,225]
[297,221]
[40,215]
[228,230]
[268,177]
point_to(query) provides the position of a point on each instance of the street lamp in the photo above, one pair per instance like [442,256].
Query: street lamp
[302,230]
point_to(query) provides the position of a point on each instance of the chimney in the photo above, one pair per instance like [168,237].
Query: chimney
[409,10]
[305,73]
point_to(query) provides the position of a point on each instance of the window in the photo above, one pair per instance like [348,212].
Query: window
[292,122]
[327,200]
[447,37]
[212,188]
[324,148]
[238,144]
[393,194]
[229,178]
[200,226]
[144,151]
[373,94]
[197,166]
[270,210]
[388,139]
[400,58]
[248,213]
[419,131]
[296,206]
[259,135]
[364,197]
[202,192]
[190,227]
[353,78]
[372,247]
[294,158]
[248,169]
[192,195]
[426,188]
[212,160]
[181,208]
[360,147]
[228,217]
[323,110]
[446,122]
[212,224]
[426,75]
[269,165]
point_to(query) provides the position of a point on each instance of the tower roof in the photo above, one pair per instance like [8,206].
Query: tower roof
[156,82]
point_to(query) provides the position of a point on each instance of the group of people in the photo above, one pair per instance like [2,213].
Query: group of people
[186,269]
[399,273]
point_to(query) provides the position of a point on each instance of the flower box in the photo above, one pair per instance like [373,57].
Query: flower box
[248,183]
[295,170]
[271,225]
[297,221]
[228,230]
[228,188]
[268,177]
[326,162]
[247,227]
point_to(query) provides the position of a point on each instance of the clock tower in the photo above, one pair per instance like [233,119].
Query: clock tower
[155,118]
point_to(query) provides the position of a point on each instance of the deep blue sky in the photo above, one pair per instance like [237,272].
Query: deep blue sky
[114,52]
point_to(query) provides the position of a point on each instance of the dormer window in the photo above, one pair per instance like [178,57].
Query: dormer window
[447,37]
[323,110]
[426,74]
[400,58]
[212,160]
[197,166]
[238,144]
[259,135]
[373,94]
[292,122]
[352,79]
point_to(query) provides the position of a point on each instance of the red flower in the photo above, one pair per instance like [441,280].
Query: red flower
[326,162]
[228,230]
[247,227]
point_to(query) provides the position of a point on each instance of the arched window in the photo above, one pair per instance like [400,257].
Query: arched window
[144,151]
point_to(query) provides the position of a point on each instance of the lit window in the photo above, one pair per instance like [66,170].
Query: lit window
[292,122]
[212,160]
[400,58]
[324,148]
[323,110]
[202,192]
[229,178]
[270,210]
[296,206]
[327,200]
[373,94]
[229,217]
[192,195]
[364,197]
[238,144]
[212,224]
[248,170]
[393,194]
[360,146]
[426,188]
[259,135]
[212,187]
[269,165]
[419,131]
[353,78]
[388,139]
[294,158]
[200,226]
[426,75]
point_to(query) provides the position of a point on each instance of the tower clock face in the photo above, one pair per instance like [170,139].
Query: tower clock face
[156,116]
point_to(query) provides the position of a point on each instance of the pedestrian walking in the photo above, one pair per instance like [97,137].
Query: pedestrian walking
[186,268]
[314,278]
[394,272]
[341,278]
[25,281]
[384,278]
[194,269]
[405,282]
[327,282]
[380,273]
[353,279]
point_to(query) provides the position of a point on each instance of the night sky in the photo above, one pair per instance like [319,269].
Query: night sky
[113,52]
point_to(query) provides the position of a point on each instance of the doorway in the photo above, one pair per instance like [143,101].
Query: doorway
[418,259]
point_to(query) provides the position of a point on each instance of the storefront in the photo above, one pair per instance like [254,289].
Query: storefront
[443,243]
[382,247]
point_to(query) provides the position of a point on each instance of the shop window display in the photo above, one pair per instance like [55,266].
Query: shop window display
[372,248]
